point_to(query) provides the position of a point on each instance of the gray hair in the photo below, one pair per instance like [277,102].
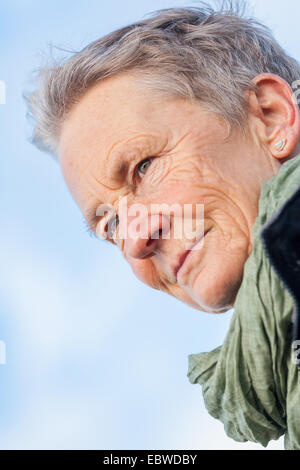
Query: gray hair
[211,55]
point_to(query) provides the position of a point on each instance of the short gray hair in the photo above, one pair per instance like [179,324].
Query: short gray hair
[211,55]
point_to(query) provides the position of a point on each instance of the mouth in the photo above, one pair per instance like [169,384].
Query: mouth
[182,257]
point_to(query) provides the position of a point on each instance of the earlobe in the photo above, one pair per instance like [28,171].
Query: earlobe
[287,143]
[279,113]
[280,145]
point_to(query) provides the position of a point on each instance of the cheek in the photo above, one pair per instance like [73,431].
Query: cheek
[216,287]
[176,188]
[145,271]
[158,172]
[169,175]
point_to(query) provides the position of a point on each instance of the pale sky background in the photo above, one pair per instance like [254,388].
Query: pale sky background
[95,359]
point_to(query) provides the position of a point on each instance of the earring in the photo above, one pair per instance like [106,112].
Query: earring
[280,145]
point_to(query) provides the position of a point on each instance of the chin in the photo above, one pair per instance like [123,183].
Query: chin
[214,299]
[215,310]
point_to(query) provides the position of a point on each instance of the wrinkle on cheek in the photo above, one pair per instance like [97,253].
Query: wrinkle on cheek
[226,238]
[167,171]
[190,169]
[233,215]
[160,171]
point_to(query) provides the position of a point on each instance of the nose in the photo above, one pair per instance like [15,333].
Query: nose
[145,241]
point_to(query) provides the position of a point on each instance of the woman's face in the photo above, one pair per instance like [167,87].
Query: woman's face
[122,143]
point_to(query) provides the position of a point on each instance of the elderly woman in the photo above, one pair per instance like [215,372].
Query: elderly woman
[194,106]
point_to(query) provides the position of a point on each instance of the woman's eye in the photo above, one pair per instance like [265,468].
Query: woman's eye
[143,166]
[111,226]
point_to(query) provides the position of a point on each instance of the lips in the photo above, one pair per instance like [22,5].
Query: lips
[182,256]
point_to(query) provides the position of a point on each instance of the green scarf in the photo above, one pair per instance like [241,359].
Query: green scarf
[250,383]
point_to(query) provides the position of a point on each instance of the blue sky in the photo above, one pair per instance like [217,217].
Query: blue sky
[95,359]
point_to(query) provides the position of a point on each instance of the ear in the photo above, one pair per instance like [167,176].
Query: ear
[274,103]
